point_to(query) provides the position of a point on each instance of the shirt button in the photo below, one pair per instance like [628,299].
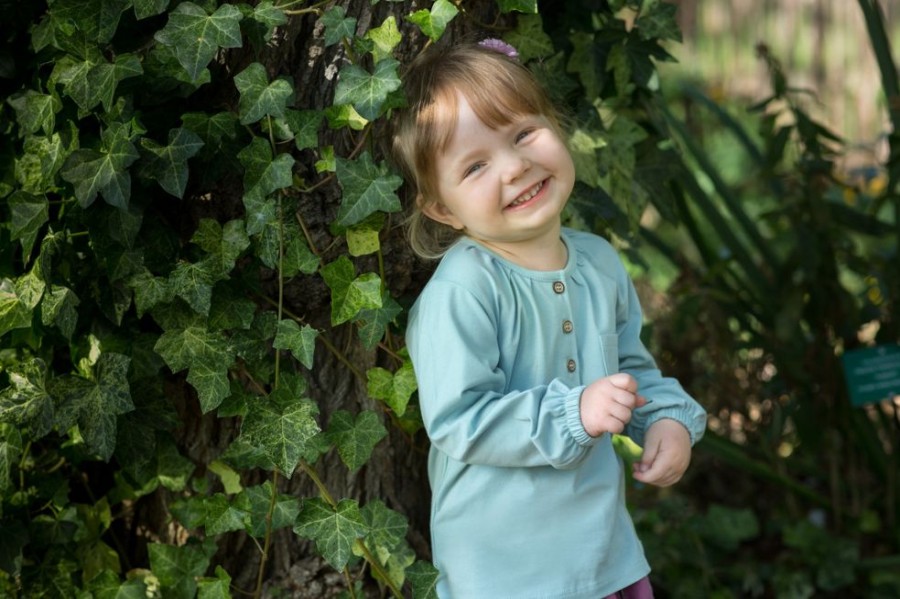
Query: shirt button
[570,365]
[567,326]
[559,286]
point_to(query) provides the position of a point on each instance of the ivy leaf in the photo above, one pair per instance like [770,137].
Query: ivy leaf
[337,25]
[367,187]
[259,97]
[303,127]
[197,349]
[433,22]
[59,308]
[95,404]
[97,20]
[659,22]
[386,527]
[168,164]
[215,588]
[281,425]
[149,291]
[179,567]
[255,502]
[260,25]
[373,323]
[529,38]
[263,176]
[28,215]
[366,91]
[35,111]
[529,7]
[26,403]
[221,515]
[43,157]
[350,294]
[193,282]
[385,38]
[149,8]
[196,36]
[301,341]
[297,256]
[10,450]
[362,241]
[355,438]
[14,313]
[334,530]
[423,578]
[104,171]
[393,389]
[224,244]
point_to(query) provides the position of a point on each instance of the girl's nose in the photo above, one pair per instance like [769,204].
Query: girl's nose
[515,165]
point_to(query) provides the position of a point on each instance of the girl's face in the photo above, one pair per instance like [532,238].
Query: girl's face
[505,187]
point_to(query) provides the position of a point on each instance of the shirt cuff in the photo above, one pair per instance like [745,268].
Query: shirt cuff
[573,419]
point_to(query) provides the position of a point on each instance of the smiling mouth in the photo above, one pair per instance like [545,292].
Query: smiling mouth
[527,195]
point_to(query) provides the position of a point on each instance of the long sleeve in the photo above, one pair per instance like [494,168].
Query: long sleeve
[470,410]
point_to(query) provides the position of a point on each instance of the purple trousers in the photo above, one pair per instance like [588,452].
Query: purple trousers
[639,590]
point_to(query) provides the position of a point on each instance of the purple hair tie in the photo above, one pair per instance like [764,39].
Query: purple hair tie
[499,46]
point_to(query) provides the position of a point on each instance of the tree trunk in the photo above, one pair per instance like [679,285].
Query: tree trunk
[396,472]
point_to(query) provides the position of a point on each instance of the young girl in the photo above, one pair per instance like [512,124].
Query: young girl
[526,347]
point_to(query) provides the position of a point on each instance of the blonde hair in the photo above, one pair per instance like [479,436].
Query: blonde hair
[497,87]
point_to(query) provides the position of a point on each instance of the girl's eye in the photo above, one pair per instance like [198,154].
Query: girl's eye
[523,134]
[472,169]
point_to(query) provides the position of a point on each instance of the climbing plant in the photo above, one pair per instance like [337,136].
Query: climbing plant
[159,267]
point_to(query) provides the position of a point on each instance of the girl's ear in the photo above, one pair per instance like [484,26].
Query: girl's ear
[437,211]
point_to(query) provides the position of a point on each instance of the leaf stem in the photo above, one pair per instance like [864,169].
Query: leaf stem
[323,490]
[376,566]
[267,543]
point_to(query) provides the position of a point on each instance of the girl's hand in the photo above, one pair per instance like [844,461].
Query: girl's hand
[667,453]
[607,403]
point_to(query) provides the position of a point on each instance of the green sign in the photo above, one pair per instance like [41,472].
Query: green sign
[872,373]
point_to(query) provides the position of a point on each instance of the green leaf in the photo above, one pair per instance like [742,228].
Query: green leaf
[14,313]
[529,7]
[659,21]
[224,244]
[366,91]
[196,36]
[149,8]
[355,438]
[108,585]
[297,256]
[301,341]
[337,25]
[386,527]
[35,111]
[259,98]
[26,403]
[303,127]
[95,404]
[215,588]
[230,309]
[281,425]
[41,160]
[350,294]
[385,37]
[255,502]
[193,282]
[260,25]
[28,215]
[178,567]
[433,22]
[529,38]
[393,389]
[207,355]
[367,187]
[96,20]
[263,176]
[94,80]
[10,450]
[362,241]
[59,308]
[334,530]
[104,171]
[149,291]
[173,470]
[168,164]
[373,324]
[423,578]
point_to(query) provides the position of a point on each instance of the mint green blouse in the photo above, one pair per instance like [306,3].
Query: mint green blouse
[525,504]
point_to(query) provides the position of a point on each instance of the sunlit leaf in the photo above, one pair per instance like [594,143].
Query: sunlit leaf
[433,22]
[26,403]
[385,37]
[29,213]
[35,111]
[280,425]
[334,530]
[394,389]
[349,293]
